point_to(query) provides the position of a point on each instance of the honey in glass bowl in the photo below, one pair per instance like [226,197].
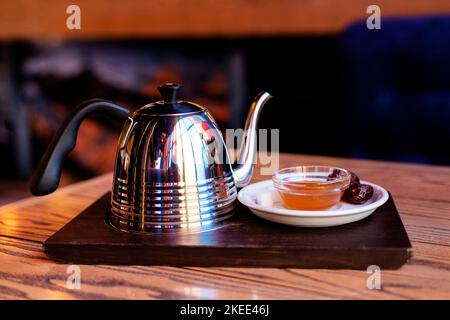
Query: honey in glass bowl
[311,187]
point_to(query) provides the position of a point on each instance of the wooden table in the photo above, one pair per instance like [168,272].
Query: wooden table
[422,194]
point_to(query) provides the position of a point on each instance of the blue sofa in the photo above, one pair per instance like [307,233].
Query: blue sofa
[397,89]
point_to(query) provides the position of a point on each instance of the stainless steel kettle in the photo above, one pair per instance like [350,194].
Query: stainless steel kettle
[172,169]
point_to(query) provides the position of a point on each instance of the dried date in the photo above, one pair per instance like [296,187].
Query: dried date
[356,192]
[359,194]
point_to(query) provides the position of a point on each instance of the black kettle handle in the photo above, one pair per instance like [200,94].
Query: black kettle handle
[46,178]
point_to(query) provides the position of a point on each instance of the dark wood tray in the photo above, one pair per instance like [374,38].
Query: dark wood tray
[243,241]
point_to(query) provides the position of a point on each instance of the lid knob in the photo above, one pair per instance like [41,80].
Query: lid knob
[169,92]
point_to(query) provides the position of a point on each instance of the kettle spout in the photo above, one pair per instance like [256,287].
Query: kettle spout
[243,169]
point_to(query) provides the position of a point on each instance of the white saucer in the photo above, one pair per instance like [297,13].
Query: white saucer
[264,201]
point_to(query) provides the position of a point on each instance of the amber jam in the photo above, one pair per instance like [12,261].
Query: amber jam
[311,187]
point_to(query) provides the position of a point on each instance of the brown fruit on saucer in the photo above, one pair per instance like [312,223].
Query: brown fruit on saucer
[335,174]
[356,193]
[359,194]
[354,180]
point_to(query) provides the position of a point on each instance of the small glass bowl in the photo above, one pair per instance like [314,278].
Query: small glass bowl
[311,187]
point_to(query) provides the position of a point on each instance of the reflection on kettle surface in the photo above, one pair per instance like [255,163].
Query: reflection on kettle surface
[171,172]
[172,169]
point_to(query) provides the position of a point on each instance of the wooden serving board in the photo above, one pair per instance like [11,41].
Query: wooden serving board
[243,241]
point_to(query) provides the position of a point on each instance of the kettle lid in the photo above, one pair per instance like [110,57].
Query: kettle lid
[170,105]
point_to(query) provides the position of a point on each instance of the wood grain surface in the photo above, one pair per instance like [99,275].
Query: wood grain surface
[422,195]
[115,19]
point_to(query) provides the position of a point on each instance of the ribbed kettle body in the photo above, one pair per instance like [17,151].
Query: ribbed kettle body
[172,173]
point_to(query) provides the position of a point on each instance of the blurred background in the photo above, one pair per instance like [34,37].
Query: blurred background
[340,88]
